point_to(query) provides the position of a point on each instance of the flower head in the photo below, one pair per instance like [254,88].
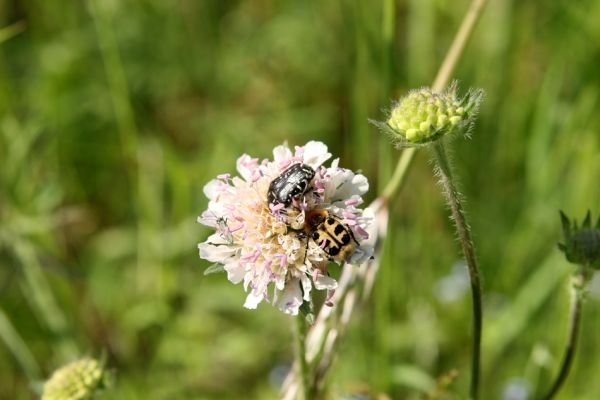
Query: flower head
[581,245]
[423,116]
[266,245]
[79,380]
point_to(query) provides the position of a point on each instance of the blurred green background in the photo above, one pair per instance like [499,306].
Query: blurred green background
[114,114]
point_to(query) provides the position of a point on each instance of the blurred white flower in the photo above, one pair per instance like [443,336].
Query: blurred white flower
[261,244]
[516,389]
[453,286]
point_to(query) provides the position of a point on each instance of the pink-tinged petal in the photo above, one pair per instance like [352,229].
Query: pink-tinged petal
[253,300]
[211,189]
[290,299]
[323,282]
[315,154]
[246,166]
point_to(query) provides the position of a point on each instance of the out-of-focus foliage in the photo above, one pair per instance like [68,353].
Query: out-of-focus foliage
[113,115]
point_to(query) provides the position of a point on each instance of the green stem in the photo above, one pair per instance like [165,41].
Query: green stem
[577,294]
[464,235]
[303,370]
[399,173]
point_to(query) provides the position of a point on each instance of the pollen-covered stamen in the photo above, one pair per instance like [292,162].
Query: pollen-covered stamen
[361,232]
[315,274]
[267,266]
[257,254]
[276,207]
[330,293]
[349,215]
[235,228]
[319,186]
[223,187]
[283,165]
[282,259]
[256,175]
[249,162]
[322,171]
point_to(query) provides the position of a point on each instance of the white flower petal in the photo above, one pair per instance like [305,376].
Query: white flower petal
[253,300]
[344,184]
[235,272]
[210,189]
[290,299]
[361,255]
[216,250]
[323,282]
[306,286]
[281,153]
[315,154]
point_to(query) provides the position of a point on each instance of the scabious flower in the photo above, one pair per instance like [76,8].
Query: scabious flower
[79,380]
[262,244]
[423,116]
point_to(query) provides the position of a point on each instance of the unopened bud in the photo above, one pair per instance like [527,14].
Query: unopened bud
[79,380]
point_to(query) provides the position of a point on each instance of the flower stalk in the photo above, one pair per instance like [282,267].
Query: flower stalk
[578,284]
[581,246]
[444,170]
[303,368]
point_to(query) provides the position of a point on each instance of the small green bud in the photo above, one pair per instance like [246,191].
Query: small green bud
[423,116]
[79,380]
[581,245]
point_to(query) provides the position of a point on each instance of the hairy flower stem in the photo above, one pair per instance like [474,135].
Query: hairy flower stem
[577,295]
[464,235]
[303,369]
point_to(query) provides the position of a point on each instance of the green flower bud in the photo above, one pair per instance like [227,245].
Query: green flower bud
[424,116]
[79,380]
[581,245]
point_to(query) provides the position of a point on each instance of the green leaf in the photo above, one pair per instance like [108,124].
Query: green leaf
[566,226]
[213,269]
[587,222]
[307,310]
